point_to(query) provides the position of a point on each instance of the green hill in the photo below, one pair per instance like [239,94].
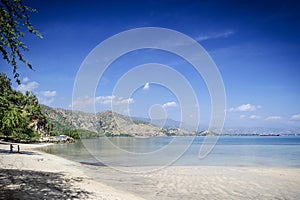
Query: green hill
[105,123]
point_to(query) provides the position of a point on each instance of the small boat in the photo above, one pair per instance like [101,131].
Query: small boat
[269,134]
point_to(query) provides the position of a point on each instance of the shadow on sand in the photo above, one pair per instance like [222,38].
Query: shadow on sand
[27,184]
[21,152]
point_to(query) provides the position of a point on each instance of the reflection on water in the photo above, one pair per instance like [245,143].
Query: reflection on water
[229,151]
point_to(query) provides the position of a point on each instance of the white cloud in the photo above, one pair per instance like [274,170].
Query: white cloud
[48,93]
[254,117]
[29,86]
[46,101]
[295,117]
[47,97]
[169,104]
[273,118]
[107,100]
[85,103]
[25,79]
[122,100]
[224,34]
[146,86]
[244,108]
[242,116]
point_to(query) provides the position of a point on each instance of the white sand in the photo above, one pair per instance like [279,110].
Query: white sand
[208,182]
[74,182]
[175,182]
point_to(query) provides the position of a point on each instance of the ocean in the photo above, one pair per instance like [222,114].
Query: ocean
[269,151]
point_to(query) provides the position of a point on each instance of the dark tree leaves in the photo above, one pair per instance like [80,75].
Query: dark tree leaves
[13,18]
[19,113]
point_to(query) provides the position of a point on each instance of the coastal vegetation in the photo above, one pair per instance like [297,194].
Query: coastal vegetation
[21,116]
[76,133]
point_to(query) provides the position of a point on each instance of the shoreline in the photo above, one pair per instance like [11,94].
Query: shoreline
[33,174]
[23,174]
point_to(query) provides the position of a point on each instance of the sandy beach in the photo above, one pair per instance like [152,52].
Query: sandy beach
[207,182]
[32,174]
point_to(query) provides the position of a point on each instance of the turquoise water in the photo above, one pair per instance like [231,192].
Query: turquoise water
[229,151]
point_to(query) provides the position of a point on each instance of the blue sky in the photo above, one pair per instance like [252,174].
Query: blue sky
[255,45]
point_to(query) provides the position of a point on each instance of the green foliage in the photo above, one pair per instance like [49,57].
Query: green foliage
[87,134]
[72,133]
[170,134]
[81,134]
[13,18]
[76,133]
[17,111]
[59,127]
[54,133]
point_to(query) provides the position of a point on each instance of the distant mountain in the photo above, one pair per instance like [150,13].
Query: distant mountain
[168,123]
[106,123]
[58,118]
[260,130]
[113,124]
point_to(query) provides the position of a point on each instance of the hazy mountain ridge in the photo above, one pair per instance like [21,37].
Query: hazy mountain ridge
[260,130]
[113,124]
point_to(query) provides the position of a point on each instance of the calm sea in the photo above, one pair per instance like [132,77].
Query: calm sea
[281,151]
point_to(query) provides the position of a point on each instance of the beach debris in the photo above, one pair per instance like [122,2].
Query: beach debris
[57,139]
